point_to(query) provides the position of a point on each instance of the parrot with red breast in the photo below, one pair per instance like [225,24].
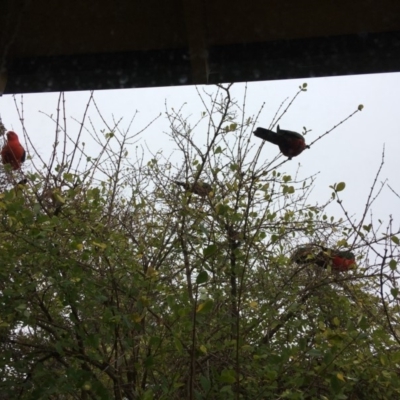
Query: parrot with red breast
[343,260]
[291,144]
[338,260]
[12,152]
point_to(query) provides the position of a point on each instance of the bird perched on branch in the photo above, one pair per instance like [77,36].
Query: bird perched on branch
[23,182]
[291,144]
[202,189]
[13,153]
[323,257]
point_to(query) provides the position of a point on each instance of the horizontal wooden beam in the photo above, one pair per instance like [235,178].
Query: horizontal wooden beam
[283,59]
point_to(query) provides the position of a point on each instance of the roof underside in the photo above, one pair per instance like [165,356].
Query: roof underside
[79,45]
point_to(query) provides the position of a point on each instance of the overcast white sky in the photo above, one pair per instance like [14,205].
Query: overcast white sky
[352,153]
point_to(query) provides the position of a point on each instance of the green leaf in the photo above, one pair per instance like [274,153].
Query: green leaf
[395,357]
[21,307]
[205,383]
[340,376]
[393,264]
[227,376]
[367,227]
[100,245]
[210,250]
[288,189]
[234,167]
[222,209]
[205,307]
[155,341]
[202,277]
[342,243]
[394,292]
[335,384]
[315,353]
[178,345]
[148,395]
[271,375]
[226,389]
[395,239]
[363,323]
[340,186]
[149,361]
[68,177]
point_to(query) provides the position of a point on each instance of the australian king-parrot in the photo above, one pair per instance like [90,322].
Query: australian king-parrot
[201,188]
[291,144]
[339,260]
[12,152]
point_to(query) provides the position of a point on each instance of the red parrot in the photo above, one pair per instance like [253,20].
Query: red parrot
[291,144]
[13,153]
[343,261]
[338,260]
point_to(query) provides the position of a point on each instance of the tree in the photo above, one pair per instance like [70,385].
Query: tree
[118,284]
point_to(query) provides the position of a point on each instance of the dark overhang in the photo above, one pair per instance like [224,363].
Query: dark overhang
[78,45]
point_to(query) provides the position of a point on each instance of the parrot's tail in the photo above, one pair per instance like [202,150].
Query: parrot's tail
[266,134]
[183,184]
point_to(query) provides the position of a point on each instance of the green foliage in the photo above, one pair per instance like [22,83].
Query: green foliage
[131,288]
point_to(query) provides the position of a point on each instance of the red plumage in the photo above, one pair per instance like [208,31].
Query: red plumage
[290,143]
[342,263]
[13,153]
[339,260]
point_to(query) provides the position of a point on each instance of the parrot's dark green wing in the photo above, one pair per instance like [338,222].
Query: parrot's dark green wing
[348,255]
[289,134]
[200,188]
